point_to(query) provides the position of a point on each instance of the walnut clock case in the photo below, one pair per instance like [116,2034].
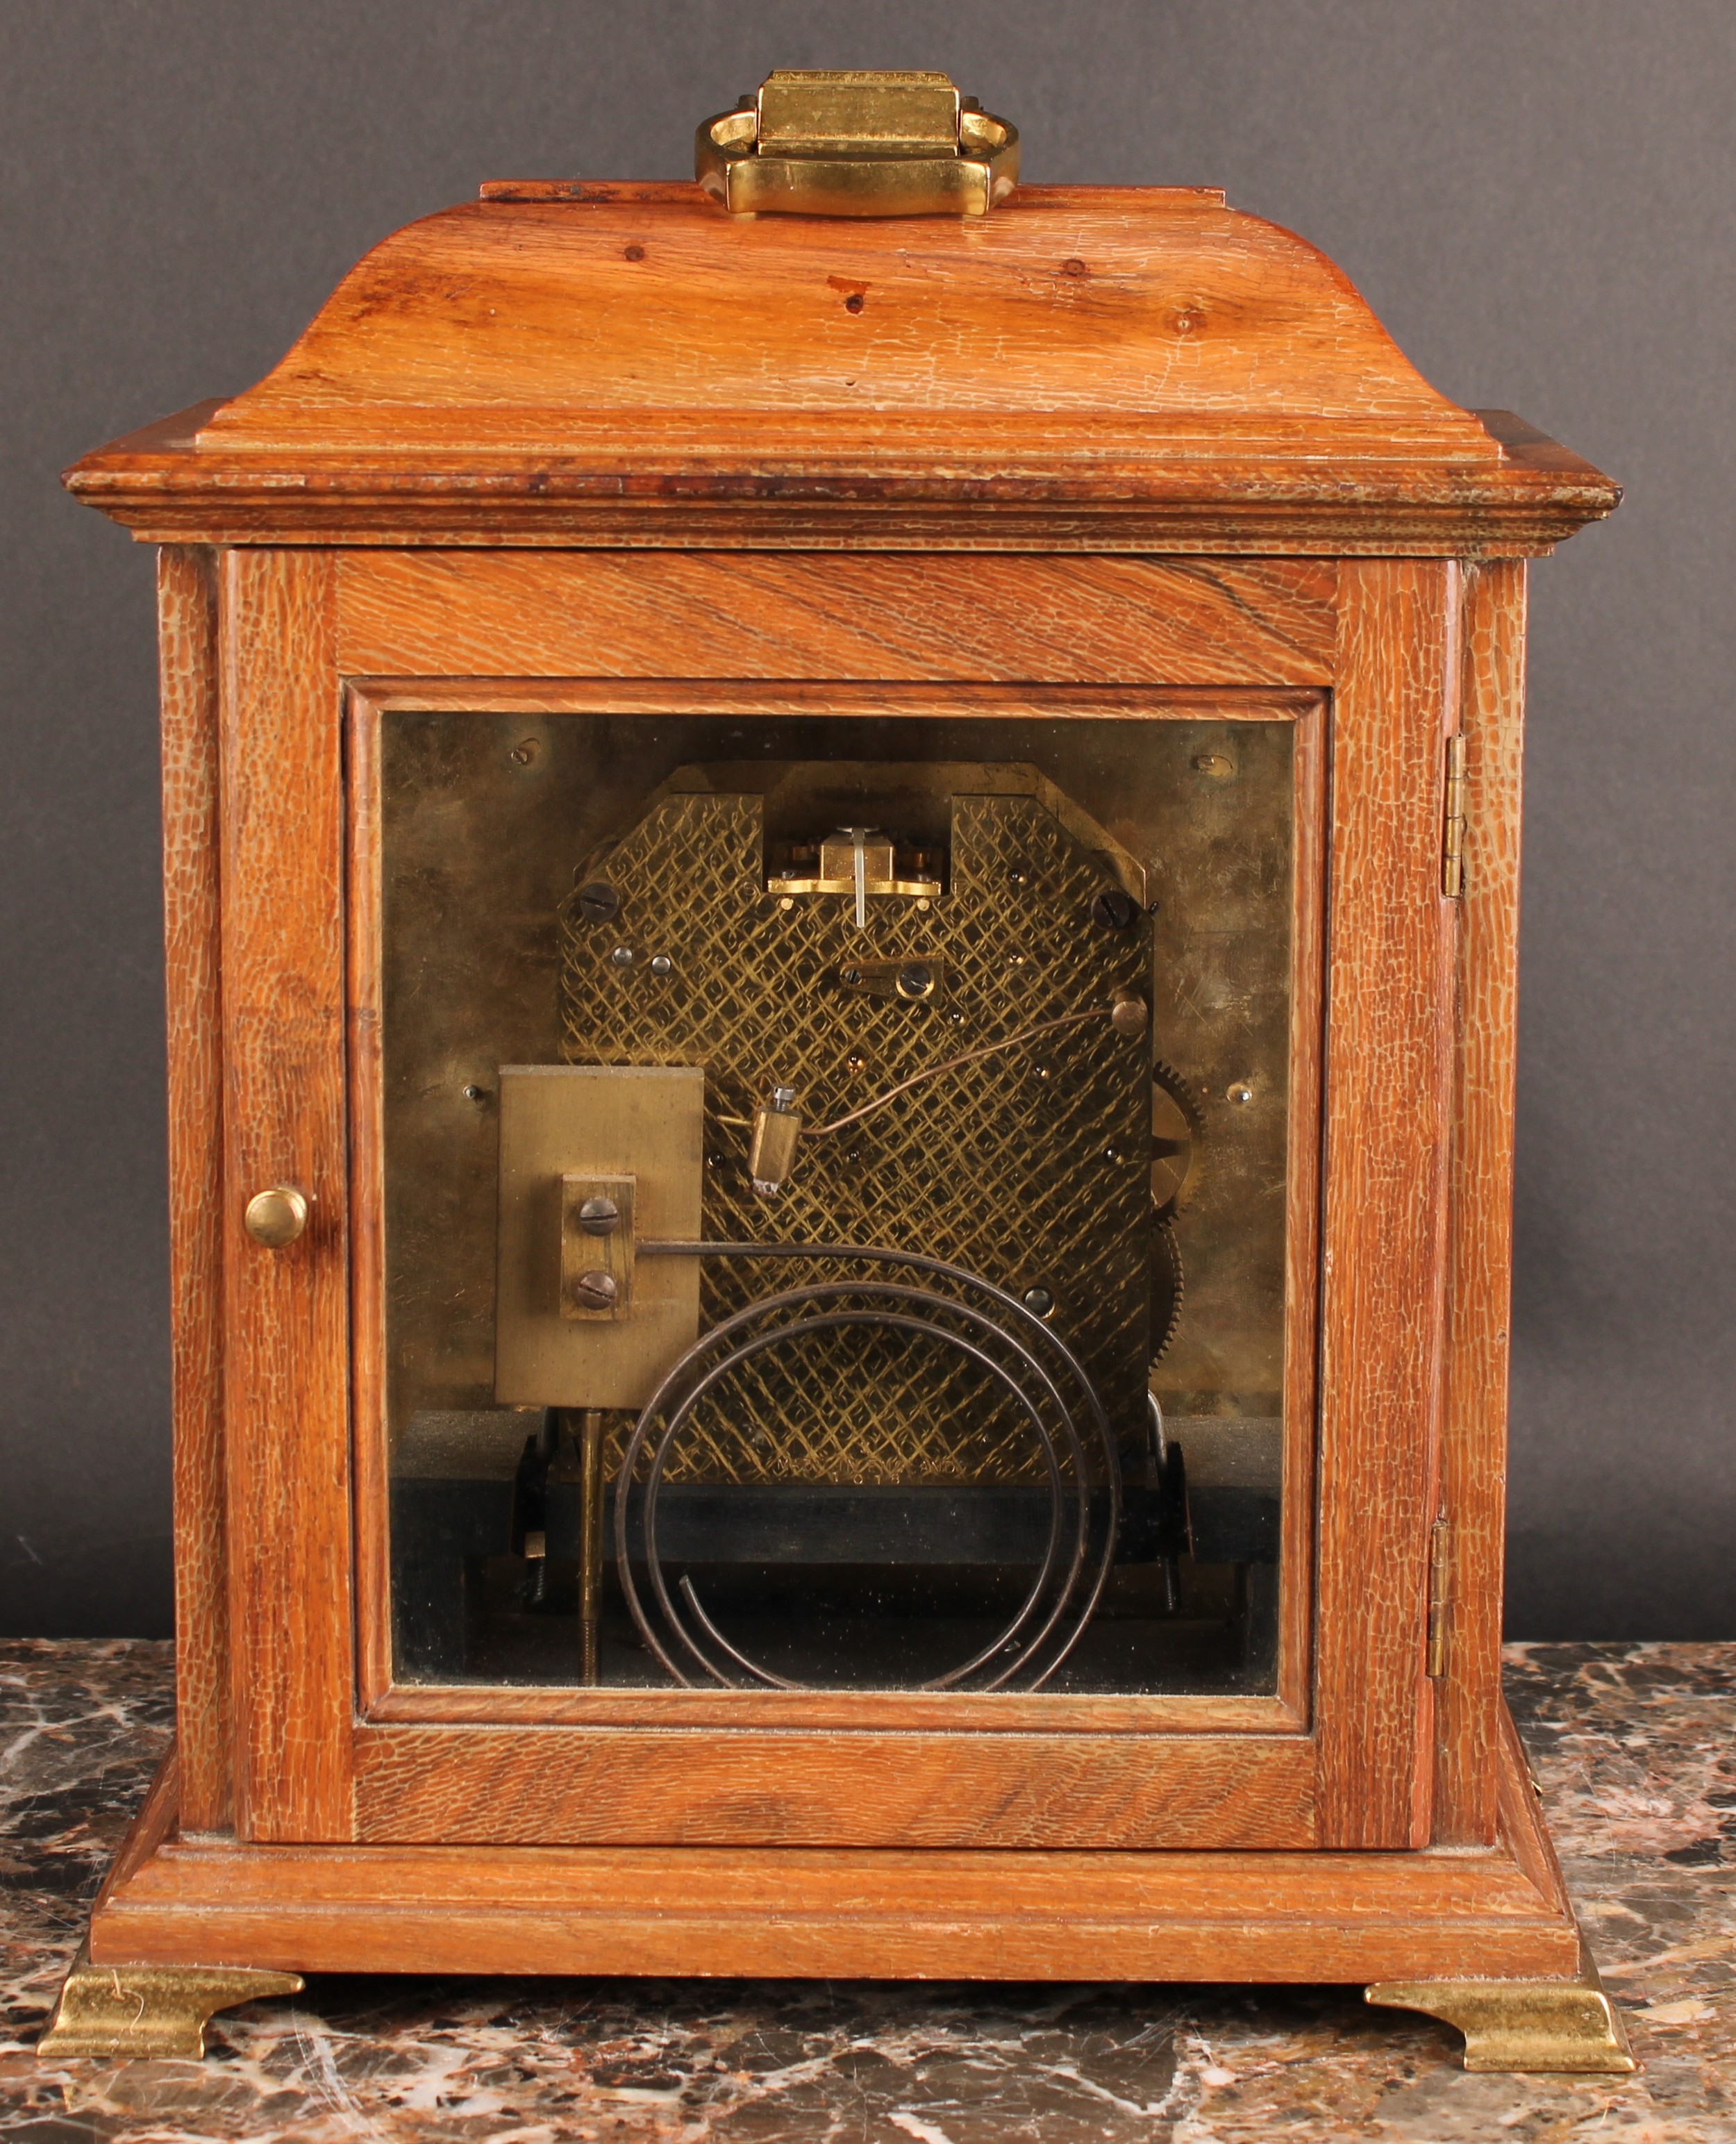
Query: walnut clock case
[841,865]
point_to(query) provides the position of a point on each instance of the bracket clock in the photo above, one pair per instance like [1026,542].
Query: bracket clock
[841,865]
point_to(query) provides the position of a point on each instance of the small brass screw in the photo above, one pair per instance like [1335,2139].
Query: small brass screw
[594,1291]
[598,1216]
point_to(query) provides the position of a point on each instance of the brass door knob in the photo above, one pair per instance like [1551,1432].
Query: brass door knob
[278,1216]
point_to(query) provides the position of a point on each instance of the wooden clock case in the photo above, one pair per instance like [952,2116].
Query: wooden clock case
[1123,454]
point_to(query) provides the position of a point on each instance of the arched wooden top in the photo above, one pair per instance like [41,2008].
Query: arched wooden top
[610,364]
[1121,304]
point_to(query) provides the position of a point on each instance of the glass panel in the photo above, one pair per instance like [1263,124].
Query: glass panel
[1006,1004]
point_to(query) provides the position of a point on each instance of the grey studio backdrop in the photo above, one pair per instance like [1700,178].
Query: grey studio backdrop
[1538,197]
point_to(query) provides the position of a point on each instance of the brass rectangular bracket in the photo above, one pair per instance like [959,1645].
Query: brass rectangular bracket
[594,1250]
[628,1134]
[1452,831]
[917,982]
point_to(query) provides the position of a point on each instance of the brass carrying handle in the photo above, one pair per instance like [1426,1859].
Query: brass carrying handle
[277,1216]
[865,143]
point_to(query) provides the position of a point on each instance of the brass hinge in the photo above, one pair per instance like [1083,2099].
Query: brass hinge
[1439,1548]
[1452,831]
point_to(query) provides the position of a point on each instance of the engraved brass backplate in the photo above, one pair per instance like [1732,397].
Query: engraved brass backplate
[1031,1167]
[487,816]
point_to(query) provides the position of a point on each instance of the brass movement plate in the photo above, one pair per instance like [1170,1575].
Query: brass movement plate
[1031,1168]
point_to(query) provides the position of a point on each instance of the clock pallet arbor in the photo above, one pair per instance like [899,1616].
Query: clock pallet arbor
[1126,455]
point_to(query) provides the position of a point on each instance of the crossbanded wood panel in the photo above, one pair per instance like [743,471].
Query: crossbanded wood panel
[730,615]
[1490,716]
[188,663]
[625,1786]
[286,1312]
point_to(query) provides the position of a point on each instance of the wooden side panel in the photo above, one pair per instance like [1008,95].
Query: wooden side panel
[286,1380]
[732,614]
[625,1785]
[1474,1443]
[1387,1096]
[187,654]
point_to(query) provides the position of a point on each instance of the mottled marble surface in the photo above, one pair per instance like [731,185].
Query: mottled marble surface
[1633,1746]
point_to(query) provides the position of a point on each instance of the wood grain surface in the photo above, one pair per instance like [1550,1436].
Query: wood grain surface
[1086,368]
[1473,1449]
[982,1915]
[744,1786]
[1389,1037]
[187,669]
[286,1311]
[720,614]
[1139,303]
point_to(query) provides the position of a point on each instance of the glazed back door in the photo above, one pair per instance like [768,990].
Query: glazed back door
[874,1250]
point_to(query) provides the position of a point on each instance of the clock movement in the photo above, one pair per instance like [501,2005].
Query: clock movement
[841,855]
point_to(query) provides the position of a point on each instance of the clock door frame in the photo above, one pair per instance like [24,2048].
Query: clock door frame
[297,1739]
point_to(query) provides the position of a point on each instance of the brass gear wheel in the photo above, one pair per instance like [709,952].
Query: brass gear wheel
[1177,1127]
[1166,1287]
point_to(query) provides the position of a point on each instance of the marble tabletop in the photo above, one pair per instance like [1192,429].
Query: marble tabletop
[1634,1747]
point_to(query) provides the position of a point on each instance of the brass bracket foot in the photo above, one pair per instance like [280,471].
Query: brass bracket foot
[143,2012]
[1567,2025]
